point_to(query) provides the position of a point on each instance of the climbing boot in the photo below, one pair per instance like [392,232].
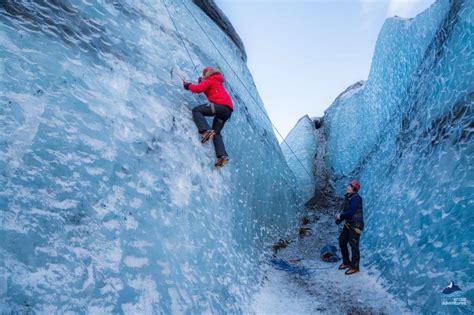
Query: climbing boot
[207,135]
[351,271]
[222,161]
[343,266]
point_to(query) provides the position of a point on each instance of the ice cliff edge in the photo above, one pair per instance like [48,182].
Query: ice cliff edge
[216,14]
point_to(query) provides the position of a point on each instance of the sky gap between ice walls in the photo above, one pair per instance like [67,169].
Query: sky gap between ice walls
[109,203]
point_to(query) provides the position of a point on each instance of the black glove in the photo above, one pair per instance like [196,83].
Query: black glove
[338,221]
[200,79]
[186,85]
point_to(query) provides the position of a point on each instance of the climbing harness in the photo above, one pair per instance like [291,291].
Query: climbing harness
[358,231]
[213,108]
[213,111]
[235,73]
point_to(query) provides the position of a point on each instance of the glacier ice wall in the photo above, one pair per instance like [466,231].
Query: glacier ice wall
[299,149]
[108,201]
[407,134]
[216,14]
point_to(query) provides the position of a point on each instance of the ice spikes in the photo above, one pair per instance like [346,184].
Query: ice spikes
[222,161]
[207,135]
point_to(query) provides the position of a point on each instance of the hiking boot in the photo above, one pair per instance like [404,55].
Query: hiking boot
[343,266]
[207,135]
[222,161]
[351,271]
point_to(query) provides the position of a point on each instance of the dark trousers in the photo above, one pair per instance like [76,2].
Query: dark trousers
[222,113]
[348,235]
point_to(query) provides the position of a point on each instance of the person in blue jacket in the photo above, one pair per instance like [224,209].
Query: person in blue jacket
[353,215]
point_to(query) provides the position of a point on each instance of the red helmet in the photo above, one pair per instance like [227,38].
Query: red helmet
[206,72]
[355,185]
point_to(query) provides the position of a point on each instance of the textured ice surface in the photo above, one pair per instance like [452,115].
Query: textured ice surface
[108,201]
[299,149]
[410,143]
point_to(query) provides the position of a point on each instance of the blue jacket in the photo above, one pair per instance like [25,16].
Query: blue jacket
[353,212]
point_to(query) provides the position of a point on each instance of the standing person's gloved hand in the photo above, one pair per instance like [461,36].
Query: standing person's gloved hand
[200,79]
[186,85]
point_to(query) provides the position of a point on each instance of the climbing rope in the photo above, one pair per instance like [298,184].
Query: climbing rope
[236,75]
[182,41]
[180,37]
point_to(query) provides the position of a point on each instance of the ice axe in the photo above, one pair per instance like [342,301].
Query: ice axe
[177,72]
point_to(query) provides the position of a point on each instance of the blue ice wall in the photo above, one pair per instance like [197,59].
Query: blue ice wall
[410,143]
[299,149]
[108,201]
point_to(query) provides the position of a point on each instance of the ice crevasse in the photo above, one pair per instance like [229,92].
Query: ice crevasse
[407,135]
[108,202]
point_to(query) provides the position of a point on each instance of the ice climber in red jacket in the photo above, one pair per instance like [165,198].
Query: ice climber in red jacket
[220,106]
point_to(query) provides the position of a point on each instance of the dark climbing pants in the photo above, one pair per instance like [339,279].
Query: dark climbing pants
[349,235]
[221,115]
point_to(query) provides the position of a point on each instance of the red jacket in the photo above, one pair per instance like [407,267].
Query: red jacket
[213,87]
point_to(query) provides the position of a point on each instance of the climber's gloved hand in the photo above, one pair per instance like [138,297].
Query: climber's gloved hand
[186,85]
[338,221]
[200,79]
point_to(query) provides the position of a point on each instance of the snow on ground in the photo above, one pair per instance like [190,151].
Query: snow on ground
[326,289]
[279,295]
